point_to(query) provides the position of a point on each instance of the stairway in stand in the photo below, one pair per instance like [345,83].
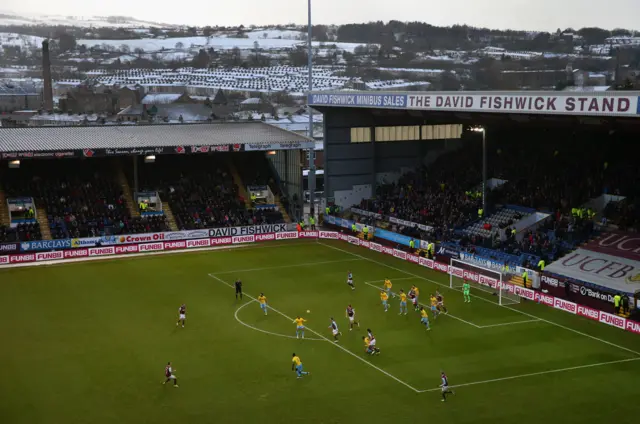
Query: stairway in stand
[282,210]
[126,190]
[44,223]
[517,280]
[168,213]
[242,190]
[4,210]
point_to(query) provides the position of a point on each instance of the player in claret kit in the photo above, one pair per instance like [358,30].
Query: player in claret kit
[238,285]
[445,386]
[372,343]
[440,300]
[416,295]
[168,373]
[182,317]
[334,329]
[412,296]
[351,315]
[350,280]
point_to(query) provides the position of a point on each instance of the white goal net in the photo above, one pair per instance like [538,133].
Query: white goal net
[483,279]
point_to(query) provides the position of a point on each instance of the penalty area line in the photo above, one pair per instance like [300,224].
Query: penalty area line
[533,374]
[327,340]
[511,323]
[486,300]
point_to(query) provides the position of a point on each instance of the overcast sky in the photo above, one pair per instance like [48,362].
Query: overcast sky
[545,15]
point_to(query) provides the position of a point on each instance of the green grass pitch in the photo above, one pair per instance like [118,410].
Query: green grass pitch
[88,342]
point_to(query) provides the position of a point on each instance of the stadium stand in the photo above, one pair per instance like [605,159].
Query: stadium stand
[80,202]
[23,232]
[201,192]
[542,176]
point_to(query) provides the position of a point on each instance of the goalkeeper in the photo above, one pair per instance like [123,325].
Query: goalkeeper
[466,291]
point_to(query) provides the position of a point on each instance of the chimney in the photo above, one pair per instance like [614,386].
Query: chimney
[46,76]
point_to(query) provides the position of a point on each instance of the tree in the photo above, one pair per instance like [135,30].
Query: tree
[298,57]
[66,42]
[282,98]
[179,45]
[201,60]
[319,33]
[448,82]
[139,52]
[124,48]
[236,56]
[207,31]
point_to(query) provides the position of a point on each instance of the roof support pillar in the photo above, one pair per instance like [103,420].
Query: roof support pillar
[135,180]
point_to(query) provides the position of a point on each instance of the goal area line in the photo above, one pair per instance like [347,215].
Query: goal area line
[502,324]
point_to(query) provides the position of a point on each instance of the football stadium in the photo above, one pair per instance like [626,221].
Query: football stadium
[474,258]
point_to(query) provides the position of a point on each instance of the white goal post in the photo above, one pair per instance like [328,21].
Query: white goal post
[484,279]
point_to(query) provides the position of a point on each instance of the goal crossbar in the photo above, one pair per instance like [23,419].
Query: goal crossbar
[482,278]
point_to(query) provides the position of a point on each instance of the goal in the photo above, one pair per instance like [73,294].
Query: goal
[484,279]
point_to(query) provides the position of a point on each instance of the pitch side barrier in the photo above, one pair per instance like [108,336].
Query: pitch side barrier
[62,256]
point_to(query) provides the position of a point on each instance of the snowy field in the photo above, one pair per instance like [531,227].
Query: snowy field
[220,43]
[269,33]
[20,40]
[77,21]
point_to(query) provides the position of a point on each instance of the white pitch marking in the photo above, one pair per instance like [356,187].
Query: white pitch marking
[287,266]
[488,301]
[446,315]
[513,377]
[326,339]
[510,323]
[265,331]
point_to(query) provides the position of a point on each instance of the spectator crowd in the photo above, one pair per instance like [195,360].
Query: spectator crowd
[550,175]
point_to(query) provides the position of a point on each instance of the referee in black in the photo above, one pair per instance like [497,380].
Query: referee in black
[238,288]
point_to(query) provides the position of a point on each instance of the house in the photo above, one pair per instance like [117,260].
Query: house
[174,113]
[256,104]
[533,78]
[586,78]
[18,97]
[98,99]
[166,99]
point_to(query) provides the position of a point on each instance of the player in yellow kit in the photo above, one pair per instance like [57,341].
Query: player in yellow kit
[424,317]
[296,365]
[403,302]
[434,306]
[262,300]
[299,327]
[387,286]
[369,347]
[384,297]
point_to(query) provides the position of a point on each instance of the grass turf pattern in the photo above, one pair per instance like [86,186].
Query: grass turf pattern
[87,343]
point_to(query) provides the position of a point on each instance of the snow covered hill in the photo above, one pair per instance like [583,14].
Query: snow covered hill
[9,18]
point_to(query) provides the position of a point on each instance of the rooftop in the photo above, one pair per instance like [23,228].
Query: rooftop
[39,139]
